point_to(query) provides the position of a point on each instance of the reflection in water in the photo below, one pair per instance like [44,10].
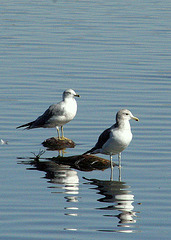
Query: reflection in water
[67,177]
[65,180]
[117,193]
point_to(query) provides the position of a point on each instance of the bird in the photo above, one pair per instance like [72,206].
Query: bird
[116,138]
[57,114]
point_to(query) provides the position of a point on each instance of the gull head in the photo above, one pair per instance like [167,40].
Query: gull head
[125,114]
[69,93]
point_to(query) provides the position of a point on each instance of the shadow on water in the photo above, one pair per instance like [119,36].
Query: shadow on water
[61,172]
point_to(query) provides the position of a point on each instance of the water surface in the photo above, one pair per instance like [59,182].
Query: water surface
[115,55]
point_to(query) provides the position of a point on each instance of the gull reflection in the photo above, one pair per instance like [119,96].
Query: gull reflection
[67,178]
[61,172]
[121,200]
[62,176]
[63,179]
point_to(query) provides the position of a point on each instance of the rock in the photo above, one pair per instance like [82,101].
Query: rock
[83,162]
[58,144]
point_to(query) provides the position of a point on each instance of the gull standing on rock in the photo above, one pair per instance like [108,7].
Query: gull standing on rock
[57,114]
[116,138]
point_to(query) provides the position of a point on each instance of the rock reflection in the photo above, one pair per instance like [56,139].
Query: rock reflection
[117,193]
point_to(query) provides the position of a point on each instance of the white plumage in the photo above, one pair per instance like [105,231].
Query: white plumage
[57,114]
[116,138]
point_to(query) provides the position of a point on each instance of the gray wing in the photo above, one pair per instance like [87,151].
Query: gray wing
[104,136]
[42,120]
[53,110]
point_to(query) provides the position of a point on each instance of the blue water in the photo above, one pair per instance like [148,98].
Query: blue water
[115,55]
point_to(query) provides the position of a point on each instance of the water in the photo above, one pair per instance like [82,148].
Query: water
[115,55]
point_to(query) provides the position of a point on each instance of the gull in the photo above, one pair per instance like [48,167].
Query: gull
[57,114]
[115,139]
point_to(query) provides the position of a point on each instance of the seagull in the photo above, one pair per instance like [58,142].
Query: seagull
[57,114]
[115,139]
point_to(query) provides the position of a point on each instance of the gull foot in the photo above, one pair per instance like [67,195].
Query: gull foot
[64,139]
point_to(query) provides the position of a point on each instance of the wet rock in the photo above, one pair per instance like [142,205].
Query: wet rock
[58,144]
[83,162]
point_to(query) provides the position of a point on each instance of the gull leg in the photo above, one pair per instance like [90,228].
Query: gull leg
[57,128]
[62,132]
[120,174]
[111,166]
[119,159]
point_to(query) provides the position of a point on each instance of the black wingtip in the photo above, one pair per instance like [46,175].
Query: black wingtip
[86,153]
[89,151]
[19,126]
[25,125]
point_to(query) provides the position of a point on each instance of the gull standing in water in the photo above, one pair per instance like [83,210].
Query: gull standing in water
[57,114]
[116,138]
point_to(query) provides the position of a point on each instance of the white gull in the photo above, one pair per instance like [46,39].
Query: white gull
[115,139]
[57,114]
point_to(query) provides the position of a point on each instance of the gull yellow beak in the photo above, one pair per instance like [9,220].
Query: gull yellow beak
[76,95]
[135,118]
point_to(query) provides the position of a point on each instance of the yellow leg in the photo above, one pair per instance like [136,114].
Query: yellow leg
[62,132]
[57,128]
